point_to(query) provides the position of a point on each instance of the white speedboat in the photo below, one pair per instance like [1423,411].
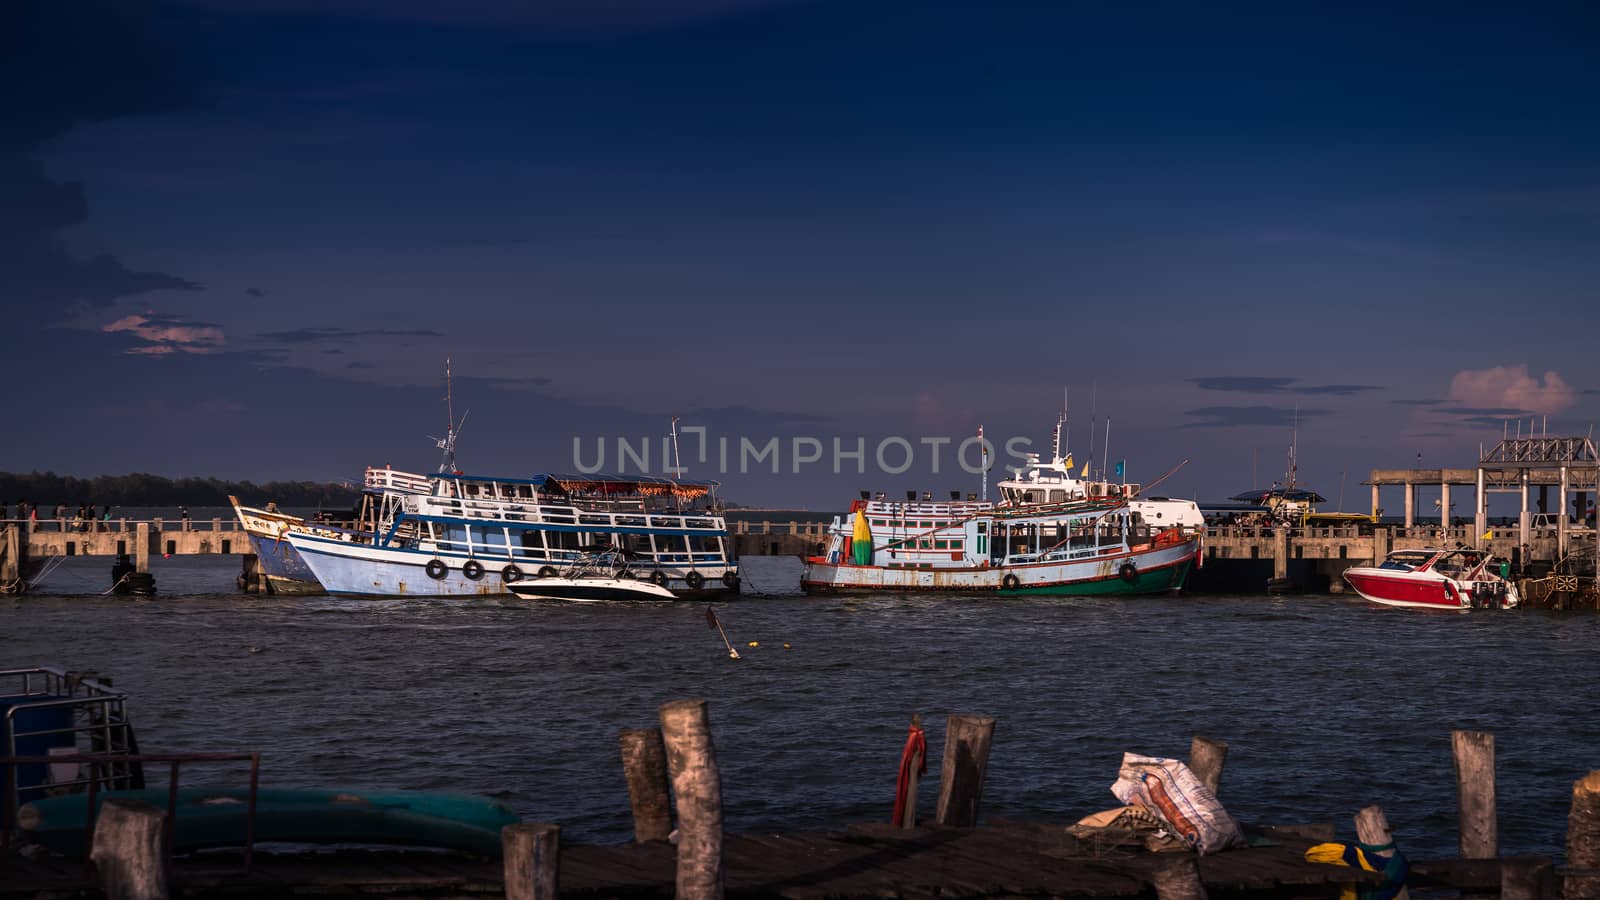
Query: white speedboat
[589,589]
[1434,578]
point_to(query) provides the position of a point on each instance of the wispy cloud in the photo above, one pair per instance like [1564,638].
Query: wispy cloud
[1260,384]
[164,334]
[319,335]
[1235,416]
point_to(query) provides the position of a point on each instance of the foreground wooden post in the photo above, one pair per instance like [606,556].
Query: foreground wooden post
[644,762]
[1527,878]
[697,786]
[532,852]
[1372,827]
[130,850]
[1179,879]
[1206,757]
[911,772]
[1583,839]
[966,757]
[1474,762]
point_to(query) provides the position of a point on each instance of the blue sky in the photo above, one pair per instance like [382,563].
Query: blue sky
[244,234]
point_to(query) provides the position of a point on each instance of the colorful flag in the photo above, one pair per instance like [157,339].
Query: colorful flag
[1068,463]
[1488,535]
[1122,467]
[1086,468]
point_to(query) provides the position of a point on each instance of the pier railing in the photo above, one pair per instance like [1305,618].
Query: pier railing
[102,526]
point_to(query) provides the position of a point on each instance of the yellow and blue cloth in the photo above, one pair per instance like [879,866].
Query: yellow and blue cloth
[1368,857]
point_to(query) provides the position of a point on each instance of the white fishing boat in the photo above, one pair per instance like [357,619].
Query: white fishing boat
[477,535]
[1090,547]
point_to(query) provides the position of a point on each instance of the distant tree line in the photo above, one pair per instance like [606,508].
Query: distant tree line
[46,489]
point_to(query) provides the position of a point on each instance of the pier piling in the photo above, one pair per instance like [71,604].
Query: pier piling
[1206,757]
[129,850]
[1372,827]
[532,854]
[697,788]
[1583,840]
[644,762]
[1527,878]
[1179,879]
[1475,793]
[966,757]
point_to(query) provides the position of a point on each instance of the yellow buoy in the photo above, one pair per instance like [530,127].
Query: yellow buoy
[786,646]
[755,643]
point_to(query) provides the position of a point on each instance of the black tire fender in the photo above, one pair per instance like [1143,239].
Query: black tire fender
[472,569]
[510,574]
[1010,582]
[695,581]
[658,578]
[436,569]
[1128,572]
[730,578]
[547,572]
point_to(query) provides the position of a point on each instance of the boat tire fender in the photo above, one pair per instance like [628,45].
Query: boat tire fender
[694,580]
[1010,582]
[731,579]
[510,574]
[658,578]
[472,569]
[436,569]
[547,572]
[1129,572]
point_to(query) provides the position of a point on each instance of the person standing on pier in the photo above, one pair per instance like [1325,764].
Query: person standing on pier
[183,516]
[105,521]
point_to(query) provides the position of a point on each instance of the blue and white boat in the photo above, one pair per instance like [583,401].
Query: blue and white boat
[474,535]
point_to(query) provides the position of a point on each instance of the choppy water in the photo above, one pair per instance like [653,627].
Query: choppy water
[1328,703]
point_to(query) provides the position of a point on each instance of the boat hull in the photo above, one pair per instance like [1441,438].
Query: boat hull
[1155,570]
[283,567]
[361,570]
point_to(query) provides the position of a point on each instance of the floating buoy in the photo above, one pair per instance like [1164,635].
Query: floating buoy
[755,643]
[786,646]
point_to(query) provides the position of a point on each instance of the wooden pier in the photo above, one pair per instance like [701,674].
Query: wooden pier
[947,858]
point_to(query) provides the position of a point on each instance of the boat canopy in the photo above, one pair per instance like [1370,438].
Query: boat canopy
[1279,494]
[642,485]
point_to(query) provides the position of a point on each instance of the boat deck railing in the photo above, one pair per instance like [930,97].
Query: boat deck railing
[531,513]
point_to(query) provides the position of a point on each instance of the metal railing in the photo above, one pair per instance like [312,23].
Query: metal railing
[174,761]
[117,526]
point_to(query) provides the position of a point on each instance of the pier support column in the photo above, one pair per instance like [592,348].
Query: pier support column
[1374,502]
[1411,504]
[141,548]
[1523,520]
[12,544]
[1561,519]
[1480,513]
[1280,552]
[1382,539]
[1444,504]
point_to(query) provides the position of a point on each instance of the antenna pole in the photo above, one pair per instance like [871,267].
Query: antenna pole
[1106,450]
[983,448]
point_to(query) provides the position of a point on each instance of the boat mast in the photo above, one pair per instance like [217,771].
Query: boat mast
[677,466]
[452,427]
[983,486]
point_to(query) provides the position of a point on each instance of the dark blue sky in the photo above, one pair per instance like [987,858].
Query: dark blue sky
[239,237]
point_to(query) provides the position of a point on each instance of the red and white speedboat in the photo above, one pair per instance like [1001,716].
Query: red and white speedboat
[1434,579]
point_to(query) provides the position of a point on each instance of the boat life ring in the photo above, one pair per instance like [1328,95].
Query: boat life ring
[546,572]
[658,578]
[731,579]
[510,574]
[436,569]
[472,569]
[694,580]
[1129,572]
[1010,582]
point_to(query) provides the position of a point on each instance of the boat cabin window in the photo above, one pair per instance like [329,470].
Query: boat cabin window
[1058,496]
[1405,561]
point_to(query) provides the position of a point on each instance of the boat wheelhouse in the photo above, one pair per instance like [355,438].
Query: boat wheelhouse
[1084,548]
[473,535]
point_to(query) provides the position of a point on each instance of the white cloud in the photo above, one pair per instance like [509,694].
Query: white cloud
[1511,387]
[165,334]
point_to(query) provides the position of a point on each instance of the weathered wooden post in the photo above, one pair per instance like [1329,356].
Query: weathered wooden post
[1280,553]
[697,787]
[141,548]
[532,853]
[130,850]
[644,763]
[1475,793]
[1583,840]
[1372,827]
[1178,878]
[966,757]
[913,760]
[1206,757]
